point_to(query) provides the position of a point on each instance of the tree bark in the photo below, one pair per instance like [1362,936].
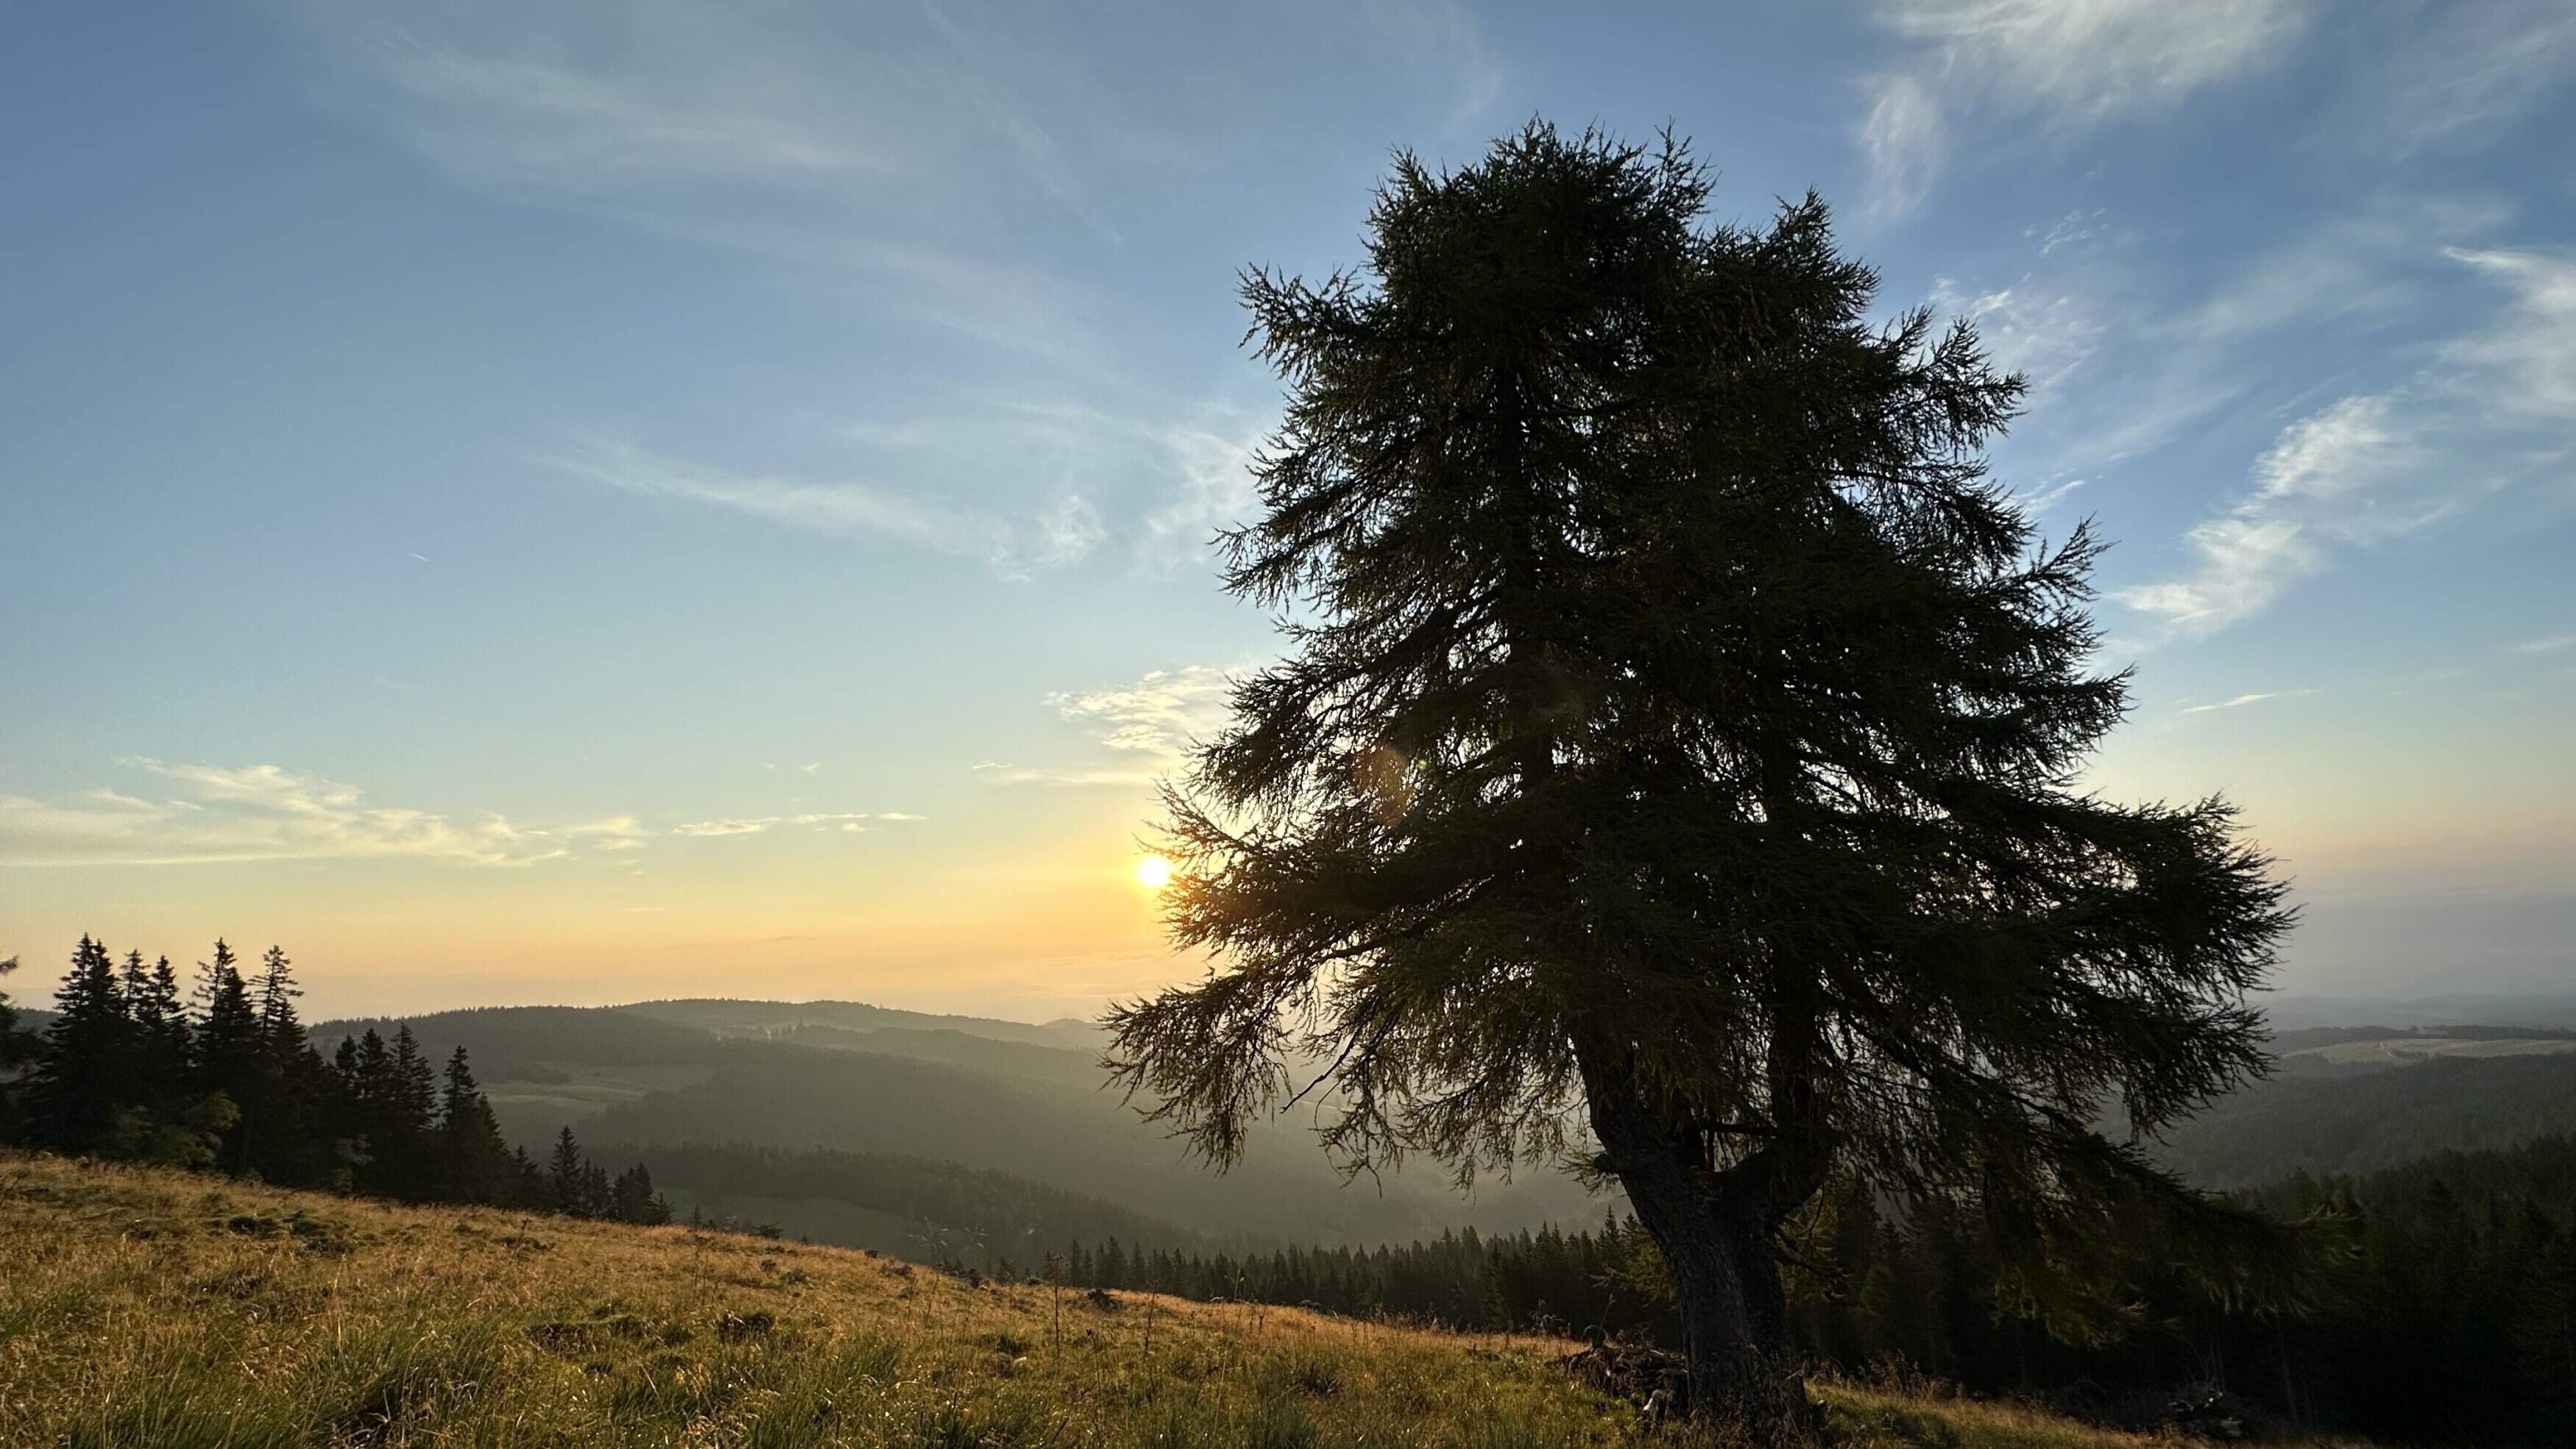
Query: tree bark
[1715,1230]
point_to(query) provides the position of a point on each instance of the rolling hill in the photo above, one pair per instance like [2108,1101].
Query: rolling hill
[1025,1100]
[1001,1097]
[2361,1103]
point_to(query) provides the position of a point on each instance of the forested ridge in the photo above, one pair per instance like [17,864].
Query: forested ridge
[964,1217]
[225,1078]
[2343,1120]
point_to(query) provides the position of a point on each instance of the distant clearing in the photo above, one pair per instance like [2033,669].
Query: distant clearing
[2398,1051]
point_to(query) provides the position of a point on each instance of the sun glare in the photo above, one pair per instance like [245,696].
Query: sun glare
[1153,872]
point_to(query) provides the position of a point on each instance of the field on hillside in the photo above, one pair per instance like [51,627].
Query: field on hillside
[161,1311]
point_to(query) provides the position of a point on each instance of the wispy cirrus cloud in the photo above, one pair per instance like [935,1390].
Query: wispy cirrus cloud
[1158,491]
[2330,480]
[203,814]
[1159,716]
[1003,772]
[2451,76]
[2553,644]
[1164,486]
[1211,488]
[208,813]
[848,823]
[1060,534]
[920,155]
[2495,410]
[2063,64]
[2242,700]
[876,151]
[2040,330]
[1151,725]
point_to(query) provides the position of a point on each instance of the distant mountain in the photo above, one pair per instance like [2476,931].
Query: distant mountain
[992,1096]
[1027,1101]
[2355,1116]
[2294,1013]
[761,1018]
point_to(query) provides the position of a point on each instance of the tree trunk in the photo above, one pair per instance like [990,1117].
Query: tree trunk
[1715,1231]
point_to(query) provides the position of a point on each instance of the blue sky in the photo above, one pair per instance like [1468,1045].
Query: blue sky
[578,502]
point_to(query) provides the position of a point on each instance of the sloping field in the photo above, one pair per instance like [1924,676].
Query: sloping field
[156,1310]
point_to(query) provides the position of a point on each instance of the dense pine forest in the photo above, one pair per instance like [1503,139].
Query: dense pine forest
[225,1078]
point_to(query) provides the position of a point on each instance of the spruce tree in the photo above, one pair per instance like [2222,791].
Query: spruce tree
[634,1199]
[227,1031]
[1678,755]
[410,1108]
[277,993]
[160,1020]
[364,1069]
[287,1133]
[83,1080]
[414,1088]
[472,1156]
[229,1056]
[567,1182]
[527,1182]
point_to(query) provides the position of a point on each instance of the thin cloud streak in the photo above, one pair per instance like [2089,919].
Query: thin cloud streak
[911,153]
[1171,484]
[2495,411]
[1002,772]
[216,814]
[1062,534]
[2243,700]
[848,822]
[2068,64]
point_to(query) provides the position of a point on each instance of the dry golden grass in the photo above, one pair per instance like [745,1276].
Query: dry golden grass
[162,1311]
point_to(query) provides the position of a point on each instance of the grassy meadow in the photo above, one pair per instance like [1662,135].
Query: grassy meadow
[158,1310]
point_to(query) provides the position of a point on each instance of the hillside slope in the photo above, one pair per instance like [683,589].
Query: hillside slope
[160,1311]
[916,1208]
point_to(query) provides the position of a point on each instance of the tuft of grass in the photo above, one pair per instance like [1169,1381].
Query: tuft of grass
[146,1309]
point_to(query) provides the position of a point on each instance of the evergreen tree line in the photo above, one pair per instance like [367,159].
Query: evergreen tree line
[1548,1280]
[224,1077]
[2437,1304]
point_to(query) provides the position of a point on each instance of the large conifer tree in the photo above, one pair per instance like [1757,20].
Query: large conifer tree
[1678,750]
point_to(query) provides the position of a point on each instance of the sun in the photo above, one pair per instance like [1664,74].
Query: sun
[1153,872]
